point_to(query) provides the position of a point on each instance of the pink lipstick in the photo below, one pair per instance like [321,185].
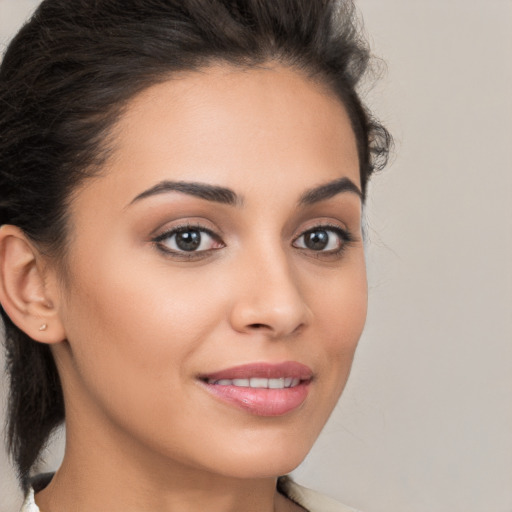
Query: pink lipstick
[262,389]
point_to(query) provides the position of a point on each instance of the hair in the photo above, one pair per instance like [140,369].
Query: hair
[65,80]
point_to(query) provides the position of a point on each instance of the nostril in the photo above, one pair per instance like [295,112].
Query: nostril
[258,326]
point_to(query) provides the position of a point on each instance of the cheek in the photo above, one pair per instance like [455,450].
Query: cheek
[341,315]
[133,328]
[133,302]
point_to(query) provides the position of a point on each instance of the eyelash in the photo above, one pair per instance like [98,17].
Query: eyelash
[183,254]
[344,236]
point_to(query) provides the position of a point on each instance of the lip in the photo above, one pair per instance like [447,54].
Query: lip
[261,401]
[263,370]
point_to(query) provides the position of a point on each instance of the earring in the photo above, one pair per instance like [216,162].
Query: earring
[43,327]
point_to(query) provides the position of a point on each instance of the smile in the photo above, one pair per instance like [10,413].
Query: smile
[261,389]
[259,383]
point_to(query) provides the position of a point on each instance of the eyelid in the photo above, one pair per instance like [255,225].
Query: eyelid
[183,227]
[327,225]
[343,233]
[166,233]
[185,221]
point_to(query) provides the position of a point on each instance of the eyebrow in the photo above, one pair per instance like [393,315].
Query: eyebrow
[328,190]
[202,190]
[227,196]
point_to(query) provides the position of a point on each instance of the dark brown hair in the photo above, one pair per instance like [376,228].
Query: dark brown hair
[64,81]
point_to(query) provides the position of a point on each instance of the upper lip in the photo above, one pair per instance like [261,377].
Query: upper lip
[262,370]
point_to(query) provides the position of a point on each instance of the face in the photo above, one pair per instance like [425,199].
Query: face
[216,288]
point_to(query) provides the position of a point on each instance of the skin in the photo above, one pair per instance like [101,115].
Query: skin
[139,325]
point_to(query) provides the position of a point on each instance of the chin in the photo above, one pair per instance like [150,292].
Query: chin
[267,459]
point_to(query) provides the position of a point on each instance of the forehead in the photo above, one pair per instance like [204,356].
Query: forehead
[240,127]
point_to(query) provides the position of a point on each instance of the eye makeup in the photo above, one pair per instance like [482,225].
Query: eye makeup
[191,241]
[324,239]
[188,241]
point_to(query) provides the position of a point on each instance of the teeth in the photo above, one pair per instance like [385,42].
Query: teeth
[258,382]
[243,383]
[276,383]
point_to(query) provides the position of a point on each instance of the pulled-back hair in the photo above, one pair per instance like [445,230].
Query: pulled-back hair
[65,80]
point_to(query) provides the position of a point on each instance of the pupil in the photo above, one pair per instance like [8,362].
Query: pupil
[188,240]
[317,240]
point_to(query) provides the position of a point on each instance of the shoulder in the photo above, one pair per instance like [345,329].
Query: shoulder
[311,500]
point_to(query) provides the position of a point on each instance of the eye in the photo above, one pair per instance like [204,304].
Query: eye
[323,239]
[188,239]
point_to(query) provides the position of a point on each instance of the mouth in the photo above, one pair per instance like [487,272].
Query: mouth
[261,389]
[258,383]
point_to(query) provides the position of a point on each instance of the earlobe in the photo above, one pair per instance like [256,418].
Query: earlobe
[24,294]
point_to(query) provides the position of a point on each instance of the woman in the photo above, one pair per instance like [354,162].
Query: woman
[182,265]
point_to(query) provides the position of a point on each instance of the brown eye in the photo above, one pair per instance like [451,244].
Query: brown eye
[188,239]
[316,240]
[323,239]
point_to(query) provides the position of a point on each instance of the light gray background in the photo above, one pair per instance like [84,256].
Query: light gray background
[425,424]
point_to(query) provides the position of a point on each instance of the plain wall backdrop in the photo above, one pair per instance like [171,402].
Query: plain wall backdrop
[425,424]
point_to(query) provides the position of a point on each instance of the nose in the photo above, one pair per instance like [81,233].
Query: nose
[269,299]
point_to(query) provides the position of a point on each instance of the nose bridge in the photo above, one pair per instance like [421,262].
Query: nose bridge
[269,295]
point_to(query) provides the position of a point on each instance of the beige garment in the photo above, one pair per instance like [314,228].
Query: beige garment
[310,500]
[314,501]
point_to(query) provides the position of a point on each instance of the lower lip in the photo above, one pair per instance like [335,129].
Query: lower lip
[262,401]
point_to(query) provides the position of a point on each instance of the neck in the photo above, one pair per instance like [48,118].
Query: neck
[71,491]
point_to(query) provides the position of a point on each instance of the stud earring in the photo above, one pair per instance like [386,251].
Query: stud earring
[43,327]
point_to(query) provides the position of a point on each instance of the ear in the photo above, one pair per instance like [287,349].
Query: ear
[25,295]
